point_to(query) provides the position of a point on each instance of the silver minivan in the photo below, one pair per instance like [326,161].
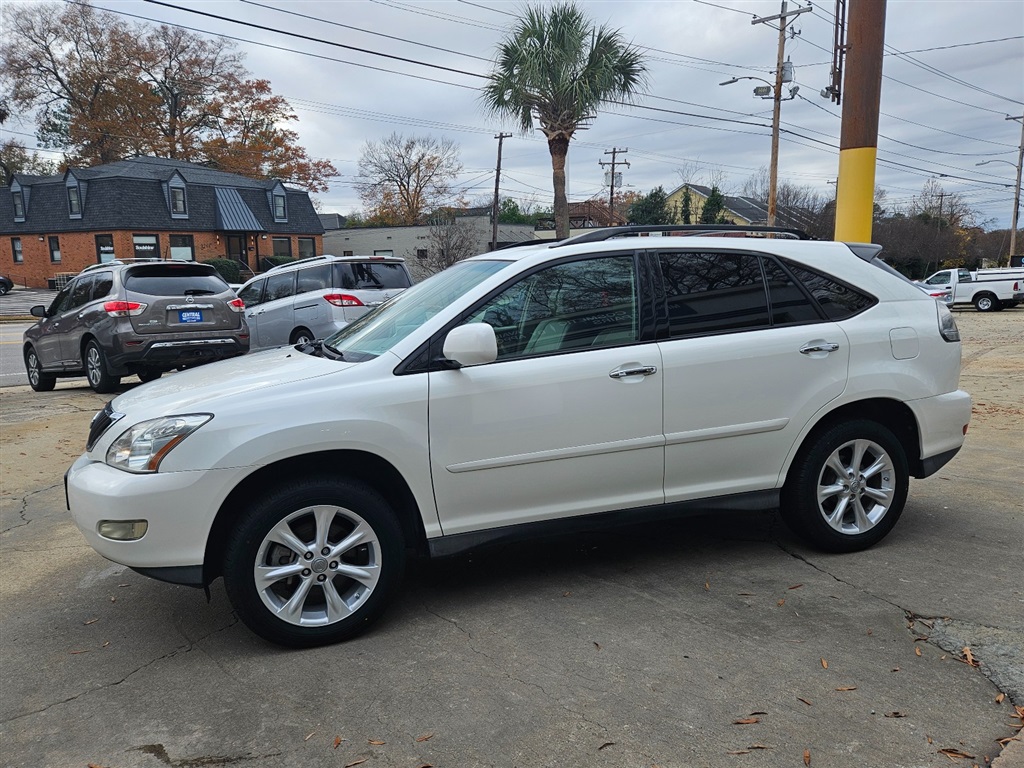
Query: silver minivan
[312,298]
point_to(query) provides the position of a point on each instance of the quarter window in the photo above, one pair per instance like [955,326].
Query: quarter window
[838,301]
[103,282]
[713,292]
[19,257]
[568,307]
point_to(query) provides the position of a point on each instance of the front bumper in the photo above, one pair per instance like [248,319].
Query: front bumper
[179,508]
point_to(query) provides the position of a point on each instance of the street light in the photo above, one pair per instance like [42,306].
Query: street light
[771,91]
[1016,203]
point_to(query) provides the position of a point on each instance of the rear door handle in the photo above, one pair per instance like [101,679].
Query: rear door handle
[825,346]
[642,370]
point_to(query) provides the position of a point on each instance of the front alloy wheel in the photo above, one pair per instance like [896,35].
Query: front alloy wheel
[847,487]
[314,563]
[39,381]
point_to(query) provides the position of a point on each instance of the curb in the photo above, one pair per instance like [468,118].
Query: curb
[1012,755]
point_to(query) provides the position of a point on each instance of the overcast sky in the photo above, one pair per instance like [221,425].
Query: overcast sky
[944,103]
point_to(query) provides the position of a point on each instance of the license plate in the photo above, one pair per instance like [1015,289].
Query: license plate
[190,316]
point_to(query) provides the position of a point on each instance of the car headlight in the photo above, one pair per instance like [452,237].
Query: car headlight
[141,448]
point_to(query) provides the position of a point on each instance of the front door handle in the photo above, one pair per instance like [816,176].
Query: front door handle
[642,370]
[825,346]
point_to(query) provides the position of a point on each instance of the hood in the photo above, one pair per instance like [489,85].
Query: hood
[198,389]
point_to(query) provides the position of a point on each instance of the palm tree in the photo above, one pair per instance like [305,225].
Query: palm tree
[558,69]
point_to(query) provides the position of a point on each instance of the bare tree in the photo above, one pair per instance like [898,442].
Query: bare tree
[449,240]
[400,178]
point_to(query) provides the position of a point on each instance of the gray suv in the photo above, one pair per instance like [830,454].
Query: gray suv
[144,318]
[313,298]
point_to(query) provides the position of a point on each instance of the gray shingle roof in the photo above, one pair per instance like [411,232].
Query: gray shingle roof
[129,194]
[754,211]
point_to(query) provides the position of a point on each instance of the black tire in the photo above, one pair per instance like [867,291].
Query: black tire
[4,289]
[841,521]
[301,336]
[985,302]
[96,370]
[317,515]
[150,375]
[39,381]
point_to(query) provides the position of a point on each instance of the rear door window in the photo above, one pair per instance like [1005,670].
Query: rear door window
[314,278]
[370,275]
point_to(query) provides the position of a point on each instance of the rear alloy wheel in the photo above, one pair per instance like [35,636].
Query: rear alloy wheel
[314,562]
[848,487]
[39,381]
[96,370]
[301,336]
[985,302]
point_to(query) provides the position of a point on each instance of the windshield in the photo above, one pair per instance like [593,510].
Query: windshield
[377,331]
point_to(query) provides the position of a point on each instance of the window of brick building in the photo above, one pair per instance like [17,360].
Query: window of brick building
[55,249]
[104,248]
[283,247]
[16,250]
[307,247]
[146,246]
[182,248]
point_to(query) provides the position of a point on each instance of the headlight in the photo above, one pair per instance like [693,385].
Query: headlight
[141,448]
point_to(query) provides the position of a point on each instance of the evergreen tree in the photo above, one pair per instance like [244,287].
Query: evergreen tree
[714,208]
[686,215]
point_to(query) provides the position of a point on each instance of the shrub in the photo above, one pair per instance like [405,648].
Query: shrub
[228,269]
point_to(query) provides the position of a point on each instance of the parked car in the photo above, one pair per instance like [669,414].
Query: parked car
[549,387]
[6,284]
[312,298]
[989,290]
[144,318]
[944,295]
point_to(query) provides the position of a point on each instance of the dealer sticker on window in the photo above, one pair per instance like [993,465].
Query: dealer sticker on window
[190,316]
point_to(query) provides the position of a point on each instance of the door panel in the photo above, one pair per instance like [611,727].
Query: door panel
[735,403]
[541,438]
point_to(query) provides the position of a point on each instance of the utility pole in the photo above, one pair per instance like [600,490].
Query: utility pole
[858,140]
[1016,193]
[497,181]
[773,173]
[614,152]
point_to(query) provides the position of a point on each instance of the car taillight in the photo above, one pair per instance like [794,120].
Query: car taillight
[123,308]
[237,305]
[342,300]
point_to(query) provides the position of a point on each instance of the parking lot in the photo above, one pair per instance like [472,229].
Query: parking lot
[718,641]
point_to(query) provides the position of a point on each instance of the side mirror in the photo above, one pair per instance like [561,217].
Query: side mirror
[38,311]
[472,344]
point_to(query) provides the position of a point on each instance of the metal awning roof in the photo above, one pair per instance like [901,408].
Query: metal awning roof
[233,214]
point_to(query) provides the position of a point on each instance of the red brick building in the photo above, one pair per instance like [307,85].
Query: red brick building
[147,207]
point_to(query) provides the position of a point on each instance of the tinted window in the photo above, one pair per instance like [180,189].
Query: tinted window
[280,286]
[81,292]
[363,275]
[103,282]
[939,278]
[314,278]
[713,292]
[580,305]
[250,294]
[174,280]
[837,300]
[61,300]
[789,303]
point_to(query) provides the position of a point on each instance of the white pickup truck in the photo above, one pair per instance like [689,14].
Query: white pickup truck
[989,290]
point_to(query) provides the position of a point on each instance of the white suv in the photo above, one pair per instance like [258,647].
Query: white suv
[558,386]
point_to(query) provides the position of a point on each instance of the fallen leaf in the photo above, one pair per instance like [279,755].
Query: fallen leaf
[954,754]
[807,757]
[758,746]
[969,657]
[337,741]
[90,621]
[805,701]
[425,737]
[606,745]
[356,762]
[758,713]
[309,736]
[781,602]
[75,653]
[747,721]
[745,594]
[377,743]
[597,645]
[566,594]
[707,586]
[425,765]
[113,599]
[123,585]
[929,739]
[738,752]
[106,644]
[796,586]
[824,664]
[894,714]
[895,669]
[1000,697]
[847,688]
[870,631]
[917,650]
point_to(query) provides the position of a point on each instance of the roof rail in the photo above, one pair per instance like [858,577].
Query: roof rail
[686,230]
[115,262]
[307,260]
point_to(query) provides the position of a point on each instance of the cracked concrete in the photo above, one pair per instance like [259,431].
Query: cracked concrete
[636,647]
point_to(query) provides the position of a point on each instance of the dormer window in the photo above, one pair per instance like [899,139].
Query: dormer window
[178,205]
[74,203]
[19,205]
[280,206]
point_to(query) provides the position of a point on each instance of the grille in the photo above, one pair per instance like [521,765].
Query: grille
[101,423]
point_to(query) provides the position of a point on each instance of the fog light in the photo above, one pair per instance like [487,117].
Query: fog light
[122,530]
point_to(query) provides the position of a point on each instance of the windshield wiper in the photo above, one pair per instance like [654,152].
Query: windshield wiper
[328,351]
